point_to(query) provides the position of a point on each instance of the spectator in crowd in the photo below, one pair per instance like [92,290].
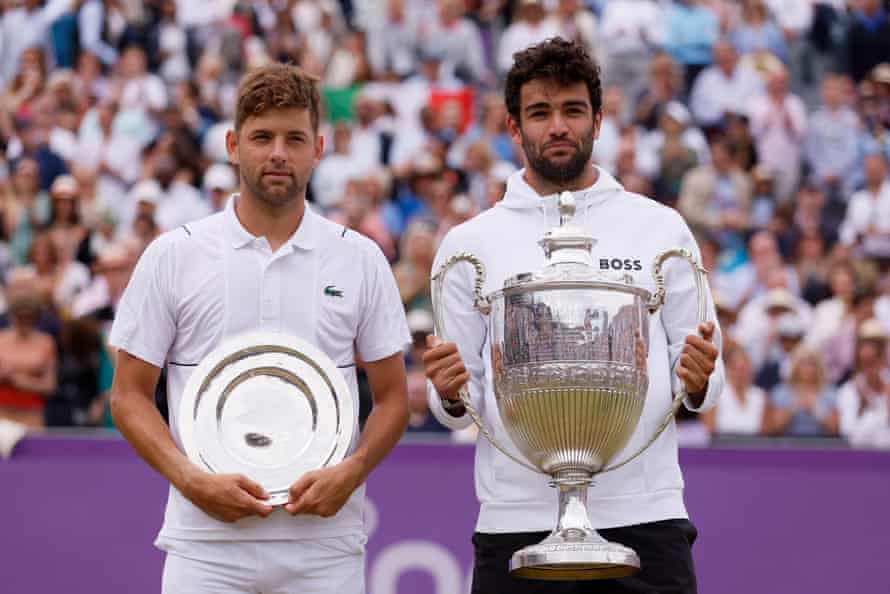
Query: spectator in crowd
[839,348]
[742,406]
[864,400]
[831,144]
[691,31]
[867,223]
[717,197]
[758,323]
[805,404]
[778,124]
[829,314]
[758,32]
[59,278]
[459,41]
[674,148]
[776,365]
[867,42]
[631,31]
[27,355]
[392,43]
[530,26]
[420,419]
[665,85]
[725,87]
[219,183]
[26,208]
[415,265]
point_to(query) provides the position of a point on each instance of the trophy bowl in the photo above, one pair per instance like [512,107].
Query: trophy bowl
[569,348]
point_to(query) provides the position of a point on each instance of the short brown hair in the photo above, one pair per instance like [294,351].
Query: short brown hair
[277,86]
[564,62]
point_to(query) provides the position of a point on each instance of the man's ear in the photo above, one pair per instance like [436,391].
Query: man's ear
[319,147]
[514,129]
[232,146]
[597,122]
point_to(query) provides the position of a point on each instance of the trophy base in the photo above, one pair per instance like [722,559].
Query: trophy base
[574,555]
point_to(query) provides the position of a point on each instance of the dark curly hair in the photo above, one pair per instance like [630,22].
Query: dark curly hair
[564,62]
[277,86]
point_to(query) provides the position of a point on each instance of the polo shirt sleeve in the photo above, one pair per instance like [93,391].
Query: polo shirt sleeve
[382,329]
[145,322]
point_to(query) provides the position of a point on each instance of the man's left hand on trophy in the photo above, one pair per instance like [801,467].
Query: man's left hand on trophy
[697,361]
[445,369]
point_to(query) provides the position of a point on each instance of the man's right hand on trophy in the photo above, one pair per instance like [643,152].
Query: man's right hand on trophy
[445,369]
[226,497]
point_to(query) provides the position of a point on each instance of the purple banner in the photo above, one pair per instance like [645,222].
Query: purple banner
[79,514]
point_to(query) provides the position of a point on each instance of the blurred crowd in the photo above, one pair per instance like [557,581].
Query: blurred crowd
[766,123]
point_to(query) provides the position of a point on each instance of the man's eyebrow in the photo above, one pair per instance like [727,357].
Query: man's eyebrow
[538,105]
[575,103]
[547,105]
[287,132]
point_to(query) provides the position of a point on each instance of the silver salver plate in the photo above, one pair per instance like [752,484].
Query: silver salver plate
[269,406]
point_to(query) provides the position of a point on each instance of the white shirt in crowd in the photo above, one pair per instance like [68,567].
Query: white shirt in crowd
[863,426]
[630,26]
[714,93]
[209,280]
[734,417]
[778,139]
[522,34]
[868,220]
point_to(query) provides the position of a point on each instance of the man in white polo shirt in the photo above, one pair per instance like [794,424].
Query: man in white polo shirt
[265,262]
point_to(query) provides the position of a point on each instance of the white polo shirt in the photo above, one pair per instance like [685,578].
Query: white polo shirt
[202,282]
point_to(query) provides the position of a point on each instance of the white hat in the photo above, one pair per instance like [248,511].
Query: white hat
[790,326]
[219,176]
[65,185]
[148,191]
[780,298]
[871,329]
[420,320]
[678,112]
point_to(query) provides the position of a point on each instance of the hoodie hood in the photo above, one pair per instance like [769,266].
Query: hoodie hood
[521,196]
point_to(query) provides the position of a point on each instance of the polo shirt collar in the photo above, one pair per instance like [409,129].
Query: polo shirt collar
[304,237]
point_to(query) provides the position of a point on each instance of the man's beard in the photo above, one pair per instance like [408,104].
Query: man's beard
[558,173]
[276,199]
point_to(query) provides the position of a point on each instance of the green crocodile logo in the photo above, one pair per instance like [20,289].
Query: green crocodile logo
[333,291]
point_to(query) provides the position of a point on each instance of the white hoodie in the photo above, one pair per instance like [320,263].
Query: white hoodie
[630,231]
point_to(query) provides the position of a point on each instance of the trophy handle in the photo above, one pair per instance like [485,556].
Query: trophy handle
[654,304]
[482,305]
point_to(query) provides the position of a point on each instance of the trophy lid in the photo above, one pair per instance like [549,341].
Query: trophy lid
[568,248]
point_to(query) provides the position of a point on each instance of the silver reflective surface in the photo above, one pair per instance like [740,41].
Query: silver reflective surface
[569,372]
[569,346]
[269,406]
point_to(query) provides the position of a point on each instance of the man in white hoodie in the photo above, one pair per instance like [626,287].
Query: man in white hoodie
[553,96]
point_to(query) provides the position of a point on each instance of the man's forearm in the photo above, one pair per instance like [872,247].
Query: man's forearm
[383,429]
[141,424]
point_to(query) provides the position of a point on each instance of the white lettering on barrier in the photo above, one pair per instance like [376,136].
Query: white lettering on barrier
[410,555]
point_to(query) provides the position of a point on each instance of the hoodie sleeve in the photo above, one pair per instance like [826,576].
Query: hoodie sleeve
[679,313]
[464,326]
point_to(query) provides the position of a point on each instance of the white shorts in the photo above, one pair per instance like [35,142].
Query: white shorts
[321,566]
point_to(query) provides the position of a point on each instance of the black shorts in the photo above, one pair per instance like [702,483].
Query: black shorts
[665,550]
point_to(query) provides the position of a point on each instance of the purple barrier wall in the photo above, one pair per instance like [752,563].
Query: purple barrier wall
[78,516]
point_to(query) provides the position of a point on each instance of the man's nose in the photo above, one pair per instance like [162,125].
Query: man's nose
[279,149]
[558,125]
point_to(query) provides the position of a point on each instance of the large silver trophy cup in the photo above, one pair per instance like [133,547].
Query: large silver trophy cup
[568,352]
